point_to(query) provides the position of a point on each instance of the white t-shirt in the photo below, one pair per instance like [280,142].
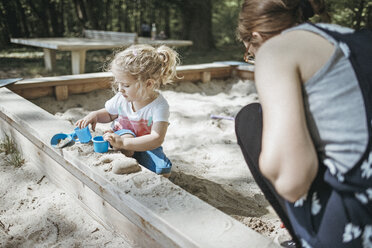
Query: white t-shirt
[139,122]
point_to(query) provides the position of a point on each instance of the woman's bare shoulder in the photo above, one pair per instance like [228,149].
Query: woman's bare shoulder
[289,43]
[300,49]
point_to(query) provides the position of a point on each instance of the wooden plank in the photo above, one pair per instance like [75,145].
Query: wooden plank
[70,44]
[78,61]
[83,83]
[74,43]
[246,72]
[167,42]
[88,87]
[110,35]
[129,209]
[49,59]
[62,80]
[206,76]
[34,93]
[61,92]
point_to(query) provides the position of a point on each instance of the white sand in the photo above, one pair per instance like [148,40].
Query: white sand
[207,162]
[35,213]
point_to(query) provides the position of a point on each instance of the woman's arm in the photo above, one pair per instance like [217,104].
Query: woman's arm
[288,158]
[142,143]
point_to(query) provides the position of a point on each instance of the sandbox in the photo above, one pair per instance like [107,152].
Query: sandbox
[146,209]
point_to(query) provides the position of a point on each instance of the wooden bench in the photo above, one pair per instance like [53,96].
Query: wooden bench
[110,35]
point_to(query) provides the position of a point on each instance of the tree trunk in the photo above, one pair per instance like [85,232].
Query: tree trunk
[167,29]
[10,17]
[106,25]
[119,15]
[55,18]
[43,17]
[197,23]
[358,14]
[25,31]
[81,12]
[93,17]
[128,11]
[369,17]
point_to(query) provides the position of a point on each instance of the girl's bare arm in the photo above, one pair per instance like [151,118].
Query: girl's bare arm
[99,116]
[142,143]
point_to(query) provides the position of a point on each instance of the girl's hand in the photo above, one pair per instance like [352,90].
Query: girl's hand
[116,141]
[91,118]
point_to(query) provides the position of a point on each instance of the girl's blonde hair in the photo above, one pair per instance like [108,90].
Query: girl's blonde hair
[271,17]
[145,62]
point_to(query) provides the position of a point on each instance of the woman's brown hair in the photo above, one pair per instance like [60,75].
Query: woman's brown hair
[271,17]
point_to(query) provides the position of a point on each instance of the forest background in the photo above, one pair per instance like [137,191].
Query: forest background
[210,24]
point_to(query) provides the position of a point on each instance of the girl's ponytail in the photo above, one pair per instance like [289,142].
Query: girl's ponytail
[169,61]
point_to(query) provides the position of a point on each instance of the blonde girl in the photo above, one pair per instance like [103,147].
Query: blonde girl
[138,112]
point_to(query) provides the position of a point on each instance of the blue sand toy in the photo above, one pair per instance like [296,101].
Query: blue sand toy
[83,134]
[100,145]
[61,140]
[154,160]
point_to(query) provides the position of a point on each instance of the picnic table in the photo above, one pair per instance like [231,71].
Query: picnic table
[79,46]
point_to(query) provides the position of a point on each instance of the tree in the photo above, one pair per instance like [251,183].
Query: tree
[197,23]
[206,22]
[354,14]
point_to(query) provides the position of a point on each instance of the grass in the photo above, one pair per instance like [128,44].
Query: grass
[28,62]
[13,155]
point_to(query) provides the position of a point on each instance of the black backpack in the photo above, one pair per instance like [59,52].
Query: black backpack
[360,45]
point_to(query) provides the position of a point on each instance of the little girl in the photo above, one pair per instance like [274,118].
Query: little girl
[139,113]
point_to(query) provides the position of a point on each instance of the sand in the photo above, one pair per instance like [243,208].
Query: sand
[35,213]
[207,162]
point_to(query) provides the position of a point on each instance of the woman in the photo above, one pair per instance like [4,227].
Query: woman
[315,161]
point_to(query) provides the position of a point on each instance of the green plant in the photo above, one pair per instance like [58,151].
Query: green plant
[13,155]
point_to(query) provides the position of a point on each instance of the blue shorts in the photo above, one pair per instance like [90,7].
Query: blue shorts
[154,160]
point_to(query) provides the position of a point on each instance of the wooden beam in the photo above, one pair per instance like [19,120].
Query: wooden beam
[61,92]
[206,76]
[246,72]
[127,207]
[82,83]
[78,61]
[96,207]
[49,59]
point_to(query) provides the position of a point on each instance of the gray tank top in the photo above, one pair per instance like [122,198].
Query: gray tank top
[335,111]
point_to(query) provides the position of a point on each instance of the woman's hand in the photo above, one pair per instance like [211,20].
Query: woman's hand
[91,118]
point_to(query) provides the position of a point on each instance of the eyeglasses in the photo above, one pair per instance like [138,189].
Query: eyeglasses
[248,57]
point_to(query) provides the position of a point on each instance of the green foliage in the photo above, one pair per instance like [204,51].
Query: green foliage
[355,14]
[13,155]
[52,18]
[225,20]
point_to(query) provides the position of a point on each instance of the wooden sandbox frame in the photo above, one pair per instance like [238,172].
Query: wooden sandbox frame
[140,224]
